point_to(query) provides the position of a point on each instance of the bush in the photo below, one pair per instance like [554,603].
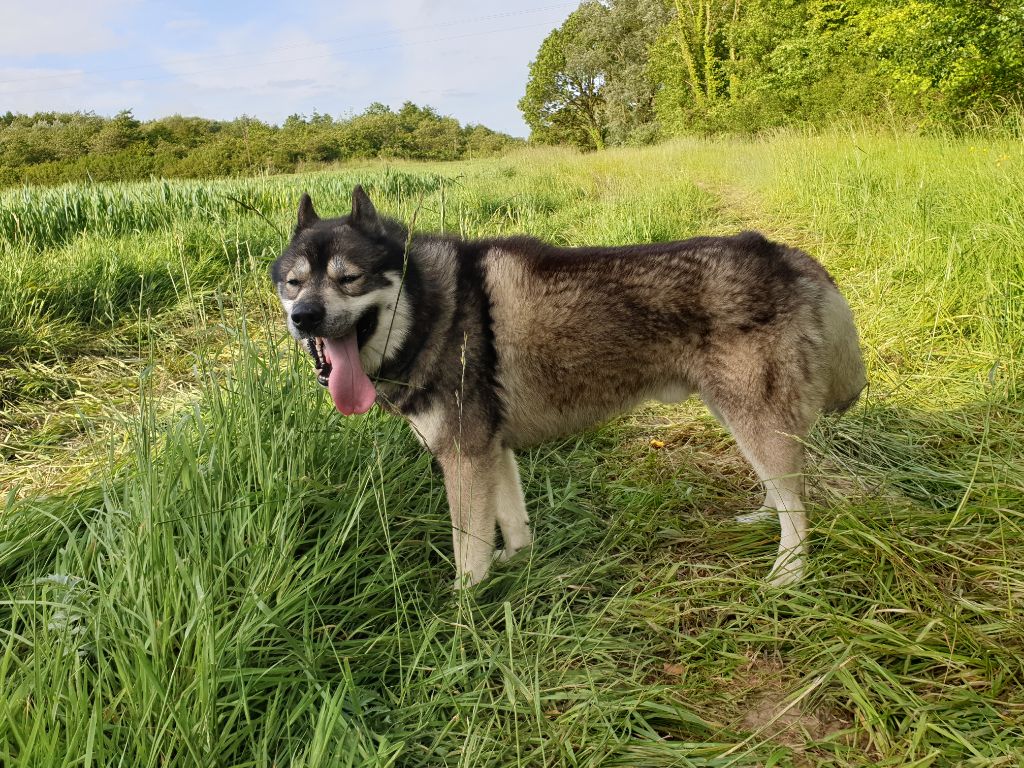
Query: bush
[54,148]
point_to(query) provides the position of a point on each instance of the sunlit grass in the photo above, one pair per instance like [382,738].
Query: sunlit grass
[204,564]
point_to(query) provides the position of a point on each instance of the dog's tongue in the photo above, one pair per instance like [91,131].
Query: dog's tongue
[349,386]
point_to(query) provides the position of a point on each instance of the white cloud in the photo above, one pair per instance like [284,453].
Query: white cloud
[246,59]
[467,58]
[187,24]
[38,89]
[18,79]
[65,27]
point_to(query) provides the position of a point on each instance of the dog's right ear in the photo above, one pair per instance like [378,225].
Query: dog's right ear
[307,216]
[364,216]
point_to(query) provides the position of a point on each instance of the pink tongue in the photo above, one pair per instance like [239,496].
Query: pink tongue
[350,388]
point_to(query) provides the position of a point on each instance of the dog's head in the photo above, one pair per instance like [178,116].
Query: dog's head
[340,283]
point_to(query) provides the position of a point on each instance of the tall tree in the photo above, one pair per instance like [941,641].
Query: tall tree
[692,58]
[632,27]
[563,101]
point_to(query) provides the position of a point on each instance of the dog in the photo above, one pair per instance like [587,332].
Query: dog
[488,346]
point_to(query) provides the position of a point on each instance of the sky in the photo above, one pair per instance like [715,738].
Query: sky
[466,58]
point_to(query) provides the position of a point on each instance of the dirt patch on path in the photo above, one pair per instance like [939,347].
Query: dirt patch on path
[776,708]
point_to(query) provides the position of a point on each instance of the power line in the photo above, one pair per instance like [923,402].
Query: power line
[333,40]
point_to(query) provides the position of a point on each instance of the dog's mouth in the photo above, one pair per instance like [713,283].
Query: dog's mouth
[315,347]
[339,369]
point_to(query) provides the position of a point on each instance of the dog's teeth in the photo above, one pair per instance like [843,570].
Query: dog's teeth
[323,368]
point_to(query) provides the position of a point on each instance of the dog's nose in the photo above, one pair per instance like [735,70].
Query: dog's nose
[307,317]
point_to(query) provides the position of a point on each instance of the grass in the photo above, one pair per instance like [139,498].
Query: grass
[203,564]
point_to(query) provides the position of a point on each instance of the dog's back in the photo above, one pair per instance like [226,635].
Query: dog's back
[583,334]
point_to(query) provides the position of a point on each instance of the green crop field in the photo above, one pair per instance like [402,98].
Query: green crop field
[202,563]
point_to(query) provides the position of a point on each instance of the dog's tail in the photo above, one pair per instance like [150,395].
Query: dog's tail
[848,377]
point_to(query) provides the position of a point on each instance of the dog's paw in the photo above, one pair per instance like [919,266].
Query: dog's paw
[762,515]
[504,555]
[788,570]
[467,581]
[463,583]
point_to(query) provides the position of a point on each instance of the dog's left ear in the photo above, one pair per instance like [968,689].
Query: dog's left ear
[307,215]
[364,216]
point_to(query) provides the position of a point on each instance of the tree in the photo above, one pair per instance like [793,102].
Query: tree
[563,101]
[481,141]
[53,147]
[694,60]
[946,57]
[751,64]
[620,71]
[799,62]
[624,43]
[182,132]
[118,134]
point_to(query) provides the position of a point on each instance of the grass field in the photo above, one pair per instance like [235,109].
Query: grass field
[201,563]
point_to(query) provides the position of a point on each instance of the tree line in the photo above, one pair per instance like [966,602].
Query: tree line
[633,71]
[57,147]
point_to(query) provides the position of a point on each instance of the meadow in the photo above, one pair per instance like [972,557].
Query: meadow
[202,563]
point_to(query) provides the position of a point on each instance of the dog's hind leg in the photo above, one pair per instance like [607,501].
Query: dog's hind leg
[511,508]
[471,483]
[769,506]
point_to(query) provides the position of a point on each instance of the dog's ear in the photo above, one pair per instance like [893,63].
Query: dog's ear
[307,216]
[364,216]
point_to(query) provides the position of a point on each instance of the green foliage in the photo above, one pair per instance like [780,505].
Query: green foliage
[630,30]
[563,102]
[587,85]
[117,135]
[53,148]
[946,57]
[726,65]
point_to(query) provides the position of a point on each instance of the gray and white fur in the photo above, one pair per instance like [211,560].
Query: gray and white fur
[489,346]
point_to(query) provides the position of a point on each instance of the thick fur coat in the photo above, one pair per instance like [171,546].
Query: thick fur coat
[488,346]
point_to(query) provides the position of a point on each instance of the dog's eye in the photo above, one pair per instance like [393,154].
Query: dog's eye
[346,279]
[293,282]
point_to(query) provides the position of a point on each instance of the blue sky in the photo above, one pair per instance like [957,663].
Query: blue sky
[271,59]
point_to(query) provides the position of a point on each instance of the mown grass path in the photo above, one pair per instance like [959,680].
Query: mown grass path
[203,564]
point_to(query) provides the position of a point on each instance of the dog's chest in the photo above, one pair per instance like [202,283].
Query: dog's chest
[429,426]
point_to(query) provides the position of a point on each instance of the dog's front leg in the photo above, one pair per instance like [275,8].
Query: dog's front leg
[510,507]
[470,482]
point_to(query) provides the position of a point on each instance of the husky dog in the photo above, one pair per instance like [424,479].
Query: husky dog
[487,346]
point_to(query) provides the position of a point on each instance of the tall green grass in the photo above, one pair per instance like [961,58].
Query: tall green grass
[204,564]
